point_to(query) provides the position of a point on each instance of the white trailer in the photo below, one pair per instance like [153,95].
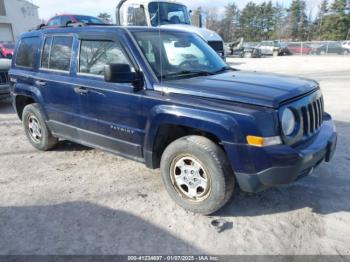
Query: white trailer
[167,13]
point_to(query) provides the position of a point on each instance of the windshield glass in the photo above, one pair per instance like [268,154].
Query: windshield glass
[179,54]
[88,19]
[168,13]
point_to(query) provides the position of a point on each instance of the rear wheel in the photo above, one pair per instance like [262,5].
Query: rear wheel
[36,129]
[196,174]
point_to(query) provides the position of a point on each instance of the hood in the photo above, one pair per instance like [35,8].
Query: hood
[269,90]
[206,34]
[5,64]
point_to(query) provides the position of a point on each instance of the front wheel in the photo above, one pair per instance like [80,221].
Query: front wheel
[197,175]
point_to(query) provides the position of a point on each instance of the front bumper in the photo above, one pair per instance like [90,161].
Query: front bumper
[4,91]
[261,168]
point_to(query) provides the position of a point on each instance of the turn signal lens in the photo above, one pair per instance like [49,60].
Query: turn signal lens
[264,141]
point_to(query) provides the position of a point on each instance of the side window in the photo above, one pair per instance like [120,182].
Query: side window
[94,55]
[149,50]
[46,53]
[56,21]
[26,52]
[57,53]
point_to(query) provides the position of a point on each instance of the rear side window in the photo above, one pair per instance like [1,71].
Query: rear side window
[26,52]
[46,53]
[94,55]
[57,53]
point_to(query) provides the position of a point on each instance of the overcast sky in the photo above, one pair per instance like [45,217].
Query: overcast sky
[49,8]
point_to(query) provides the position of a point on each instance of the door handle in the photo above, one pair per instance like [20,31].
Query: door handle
[40,83]
[81,90]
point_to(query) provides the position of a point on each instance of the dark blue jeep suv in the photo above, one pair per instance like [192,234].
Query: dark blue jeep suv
[165,98]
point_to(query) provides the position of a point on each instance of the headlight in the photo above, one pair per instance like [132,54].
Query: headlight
[288,122]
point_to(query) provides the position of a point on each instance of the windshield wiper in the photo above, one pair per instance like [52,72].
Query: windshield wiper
[223,69]
[185,73]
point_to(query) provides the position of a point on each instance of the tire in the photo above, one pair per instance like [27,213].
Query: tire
[36,129]
[211,169]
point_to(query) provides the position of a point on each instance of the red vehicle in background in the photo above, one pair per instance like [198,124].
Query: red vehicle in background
[63,20]
[299,48]
[7,49]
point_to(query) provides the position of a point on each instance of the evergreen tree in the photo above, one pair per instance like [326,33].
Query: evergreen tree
[297,20]
[323,10]
[249,22]
[105,17]
[336,25]
[230,22]
[339,6]
[280,21]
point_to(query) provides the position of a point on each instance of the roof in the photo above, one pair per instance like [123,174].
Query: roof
[91,28]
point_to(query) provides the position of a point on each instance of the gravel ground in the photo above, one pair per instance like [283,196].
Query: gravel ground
[77,200]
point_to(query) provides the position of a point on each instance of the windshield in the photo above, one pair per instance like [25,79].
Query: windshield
[88,19]
[170,13]
[179,54]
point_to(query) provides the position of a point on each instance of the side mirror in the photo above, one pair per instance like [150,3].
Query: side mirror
[121,73]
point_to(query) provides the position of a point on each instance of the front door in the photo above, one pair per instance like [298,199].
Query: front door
[111,115]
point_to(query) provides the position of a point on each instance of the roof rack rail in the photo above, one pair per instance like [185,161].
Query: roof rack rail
[72,24]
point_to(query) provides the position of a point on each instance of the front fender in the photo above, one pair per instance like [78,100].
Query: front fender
[221,125]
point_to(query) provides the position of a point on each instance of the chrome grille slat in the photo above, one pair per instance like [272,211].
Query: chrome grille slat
[306,120]
[312,116]
[317,115]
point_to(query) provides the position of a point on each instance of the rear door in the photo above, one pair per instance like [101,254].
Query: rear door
[111,114]
[55,82]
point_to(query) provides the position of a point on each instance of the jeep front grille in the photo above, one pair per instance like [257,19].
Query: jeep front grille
[312,116]
[4,78]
